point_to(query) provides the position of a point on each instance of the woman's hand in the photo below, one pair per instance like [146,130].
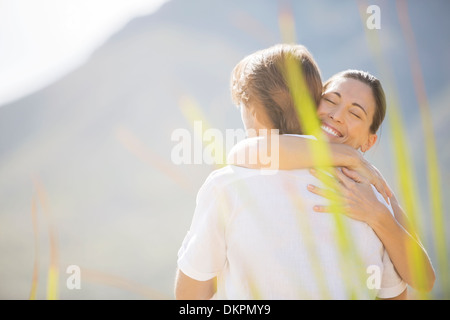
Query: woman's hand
[376,179]
[364,169]
[353,196]
[350,194]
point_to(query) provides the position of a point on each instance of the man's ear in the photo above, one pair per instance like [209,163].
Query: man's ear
[371,139]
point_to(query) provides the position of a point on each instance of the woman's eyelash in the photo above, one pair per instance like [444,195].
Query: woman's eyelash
[329,100]
[355,115]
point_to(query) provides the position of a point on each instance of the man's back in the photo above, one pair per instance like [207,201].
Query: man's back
[259,235]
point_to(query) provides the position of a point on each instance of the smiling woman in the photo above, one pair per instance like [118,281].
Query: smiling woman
[352,97]
[377,93]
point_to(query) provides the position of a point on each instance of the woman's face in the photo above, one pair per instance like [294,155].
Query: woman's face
[346,111]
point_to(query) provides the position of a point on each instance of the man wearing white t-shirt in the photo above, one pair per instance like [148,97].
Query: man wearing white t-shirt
[255,236]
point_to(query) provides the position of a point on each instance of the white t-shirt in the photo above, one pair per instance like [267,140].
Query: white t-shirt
[260,236]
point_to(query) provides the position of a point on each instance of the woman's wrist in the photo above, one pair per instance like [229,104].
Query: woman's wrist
[379,217]
[344,155]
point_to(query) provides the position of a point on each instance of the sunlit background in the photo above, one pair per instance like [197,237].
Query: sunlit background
[91,91]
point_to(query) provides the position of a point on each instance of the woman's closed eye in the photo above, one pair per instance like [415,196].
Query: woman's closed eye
[330,101]
[356,115]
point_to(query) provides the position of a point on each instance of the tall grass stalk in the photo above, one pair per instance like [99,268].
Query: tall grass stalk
[433,171]
[307,114]
[53,269]
[35,277]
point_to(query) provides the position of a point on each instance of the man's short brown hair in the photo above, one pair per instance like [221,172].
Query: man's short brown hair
[260,79]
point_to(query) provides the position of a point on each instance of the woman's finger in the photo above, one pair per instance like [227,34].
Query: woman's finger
[355,176]
[329,209]
[326,178]
[380,188]
[324,192]
[346,181]
[381,185]
[378,183]
[384,183]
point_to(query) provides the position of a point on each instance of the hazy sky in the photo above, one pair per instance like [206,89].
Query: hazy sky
[41,40]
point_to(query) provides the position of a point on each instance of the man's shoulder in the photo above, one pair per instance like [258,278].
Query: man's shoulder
[229,174]
[218,181]
[221,179]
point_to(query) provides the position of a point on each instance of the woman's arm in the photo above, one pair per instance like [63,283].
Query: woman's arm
[357,200]
[296,153]
[404,247]
[293,153]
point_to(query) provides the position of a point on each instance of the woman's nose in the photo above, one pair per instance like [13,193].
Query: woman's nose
[337,115]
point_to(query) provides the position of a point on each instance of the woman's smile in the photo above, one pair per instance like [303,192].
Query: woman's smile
[331,131]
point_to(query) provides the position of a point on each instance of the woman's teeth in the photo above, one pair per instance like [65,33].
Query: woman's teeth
[330,131]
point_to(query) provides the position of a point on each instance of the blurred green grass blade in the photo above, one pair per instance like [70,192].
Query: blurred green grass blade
[52,283]
[192,111]
[433,172]
[52,272]
[307,115]
[402,159]
[35,276]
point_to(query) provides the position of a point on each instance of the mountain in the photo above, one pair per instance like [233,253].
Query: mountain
[94,148]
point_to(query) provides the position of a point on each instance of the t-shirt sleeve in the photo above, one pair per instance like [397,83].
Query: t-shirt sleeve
[391,283]
[203,252]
